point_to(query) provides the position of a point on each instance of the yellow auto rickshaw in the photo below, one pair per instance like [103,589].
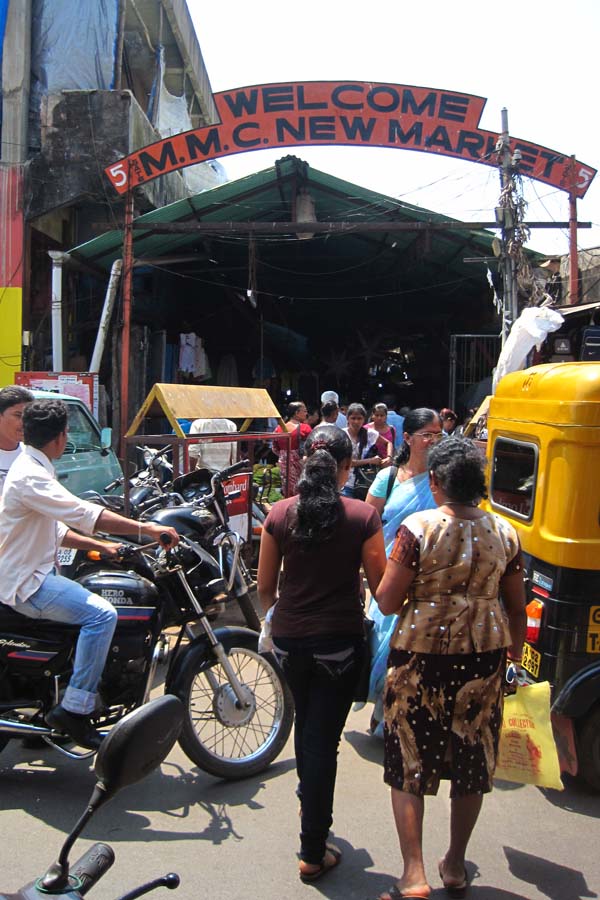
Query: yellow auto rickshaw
[543,451]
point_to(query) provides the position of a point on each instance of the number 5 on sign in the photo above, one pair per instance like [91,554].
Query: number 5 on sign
[118,175]
[593,635]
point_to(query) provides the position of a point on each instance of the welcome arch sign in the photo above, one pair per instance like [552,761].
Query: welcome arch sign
[346,113]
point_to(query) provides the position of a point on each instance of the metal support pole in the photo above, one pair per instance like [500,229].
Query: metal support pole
[573,257]
[109,302]
[58,258]
[126,332]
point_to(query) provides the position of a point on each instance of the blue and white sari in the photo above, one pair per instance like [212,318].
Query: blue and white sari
[407,497]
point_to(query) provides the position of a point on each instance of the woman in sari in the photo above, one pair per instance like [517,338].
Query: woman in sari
[292,460]
[396,493]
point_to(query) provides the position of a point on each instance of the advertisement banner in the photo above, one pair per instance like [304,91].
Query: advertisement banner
[238,505]
[83,385]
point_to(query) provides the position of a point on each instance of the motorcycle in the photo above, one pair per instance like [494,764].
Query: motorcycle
[194,504]
[135,746]
[148,486]
[239,710]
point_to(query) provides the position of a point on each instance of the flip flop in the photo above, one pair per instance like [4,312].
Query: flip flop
[394,893]
[309,877]
[454,890]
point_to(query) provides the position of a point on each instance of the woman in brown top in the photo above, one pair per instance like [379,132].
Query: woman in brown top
[443,694]
[318,634]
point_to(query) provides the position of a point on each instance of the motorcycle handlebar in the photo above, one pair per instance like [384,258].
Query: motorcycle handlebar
[116,483]
[224,474]
[92,866]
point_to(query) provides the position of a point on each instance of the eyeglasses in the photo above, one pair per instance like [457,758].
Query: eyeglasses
[429,435]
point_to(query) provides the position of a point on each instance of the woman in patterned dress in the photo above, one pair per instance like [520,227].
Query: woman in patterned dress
[454,578]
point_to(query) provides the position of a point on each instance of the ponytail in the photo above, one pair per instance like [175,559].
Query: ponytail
[318,506]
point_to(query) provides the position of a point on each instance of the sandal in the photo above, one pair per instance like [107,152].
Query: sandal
[458,889]
[325,866]
[394,893]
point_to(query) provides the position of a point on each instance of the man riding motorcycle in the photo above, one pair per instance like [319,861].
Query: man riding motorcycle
[36,517]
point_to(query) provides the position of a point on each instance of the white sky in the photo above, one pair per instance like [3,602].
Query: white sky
[538,58]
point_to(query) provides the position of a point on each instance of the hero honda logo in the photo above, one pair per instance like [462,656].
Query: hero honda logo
[116,596]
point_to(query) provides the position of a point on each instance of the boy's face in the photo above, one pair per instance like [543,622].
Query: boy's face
[11,426]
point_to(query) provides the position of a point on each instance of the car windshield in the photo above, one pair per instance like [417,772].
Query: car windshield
[81,432]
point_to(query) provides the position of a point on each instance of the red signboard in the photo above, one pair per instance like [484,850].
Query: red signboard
[238,506]
[346,113]
[83,385]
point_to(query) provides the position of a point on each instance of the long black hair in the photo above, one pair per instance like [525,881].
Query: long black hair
[318,506]
[459,467]
[413,421]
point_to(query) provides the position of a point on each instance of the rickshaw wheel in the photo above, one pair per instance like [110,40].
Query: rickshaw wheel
[589,748]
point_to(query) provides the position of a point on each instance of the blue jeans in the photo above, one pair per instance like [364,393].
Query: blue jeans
[322,673]
[63,600]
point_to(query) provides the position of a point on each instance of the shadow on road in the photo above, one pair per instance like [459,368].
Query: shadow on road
[576,798]
[555,881]
[56,792]
[365,745]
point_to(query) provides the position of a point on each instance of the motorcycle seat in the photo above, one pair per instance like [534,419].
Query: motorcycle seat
[12,620]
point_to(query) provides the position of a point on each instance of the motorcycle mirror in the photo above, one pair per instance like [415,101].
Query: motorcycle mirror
[138,744]
[135,746]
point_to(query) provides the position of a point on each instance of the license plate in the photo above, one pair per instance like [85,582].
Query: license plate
[65,556]
[593,635]
[531,660]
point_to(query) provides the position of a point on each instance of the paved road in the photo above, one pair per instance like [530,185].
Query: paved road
[236,841]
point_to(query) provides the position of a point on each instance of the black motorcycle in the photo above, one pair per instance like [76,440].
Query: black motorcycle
[195,505]
[239,710]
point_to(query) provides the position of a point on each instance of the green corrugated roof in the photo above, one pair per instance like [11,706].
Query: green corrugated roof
[266,196]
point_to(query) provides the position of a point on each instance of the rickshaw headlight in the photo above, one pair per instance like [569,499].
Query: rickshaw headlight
[534,610]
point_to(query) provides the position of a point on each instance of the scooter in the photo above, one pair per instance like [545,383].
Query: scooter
[136,745]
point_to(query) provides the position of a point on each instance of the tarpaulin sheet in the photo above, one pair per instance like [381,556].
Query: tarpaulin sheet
[3,15]
[73,46]
[170,116]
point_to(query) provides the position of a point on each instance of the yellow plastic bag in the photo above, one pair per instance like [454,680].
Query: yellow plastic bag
[527,752]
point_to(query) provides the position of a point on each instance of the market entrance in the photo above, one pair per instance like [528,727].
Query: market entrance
[365,311]
[338,315]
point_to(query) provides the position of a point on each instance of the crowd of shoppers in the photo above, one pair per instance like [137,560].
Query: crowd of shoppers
[448,604]
[449,610]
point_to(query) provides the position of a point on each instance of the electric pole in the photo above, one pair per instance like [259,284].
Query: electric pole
[509,215]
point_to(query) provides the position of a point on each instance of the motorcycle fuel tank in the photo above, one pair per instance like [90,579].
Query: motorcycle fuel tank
[135,597]
[197,522]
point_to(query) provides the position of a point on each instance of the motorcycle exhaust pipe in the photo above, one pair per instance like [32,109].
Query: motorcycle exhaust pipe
[23,729]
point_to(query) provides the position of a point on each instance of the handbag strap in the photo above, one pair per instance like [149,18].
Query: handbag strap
[390,484]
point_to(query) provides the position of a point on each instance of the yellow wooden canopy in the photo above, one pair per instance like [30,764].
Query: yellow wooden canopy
[194,401]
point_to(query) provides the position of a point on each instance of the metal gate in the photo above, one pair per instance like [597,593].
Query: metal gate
[472,358]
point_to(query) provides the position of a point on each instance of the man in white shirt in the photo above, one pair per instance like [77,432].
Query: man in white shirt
[36,517]
[13,400]
[213,455]
[331,397]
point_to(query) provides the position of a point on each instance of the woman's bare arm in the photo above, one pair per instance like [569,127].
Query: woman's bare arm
[393,588]
[376,502]
[269,564]
[373,559]
[512,592]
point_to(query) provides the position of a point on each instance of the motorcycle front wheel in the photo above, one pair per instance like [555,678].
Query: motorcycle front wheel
[228,740]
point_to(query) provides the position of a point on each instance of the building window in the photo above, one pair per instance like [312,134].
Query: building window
[514,477]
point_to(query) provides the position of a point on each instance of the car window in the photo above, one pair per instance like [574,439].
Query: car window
[82,435]
[514,476]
